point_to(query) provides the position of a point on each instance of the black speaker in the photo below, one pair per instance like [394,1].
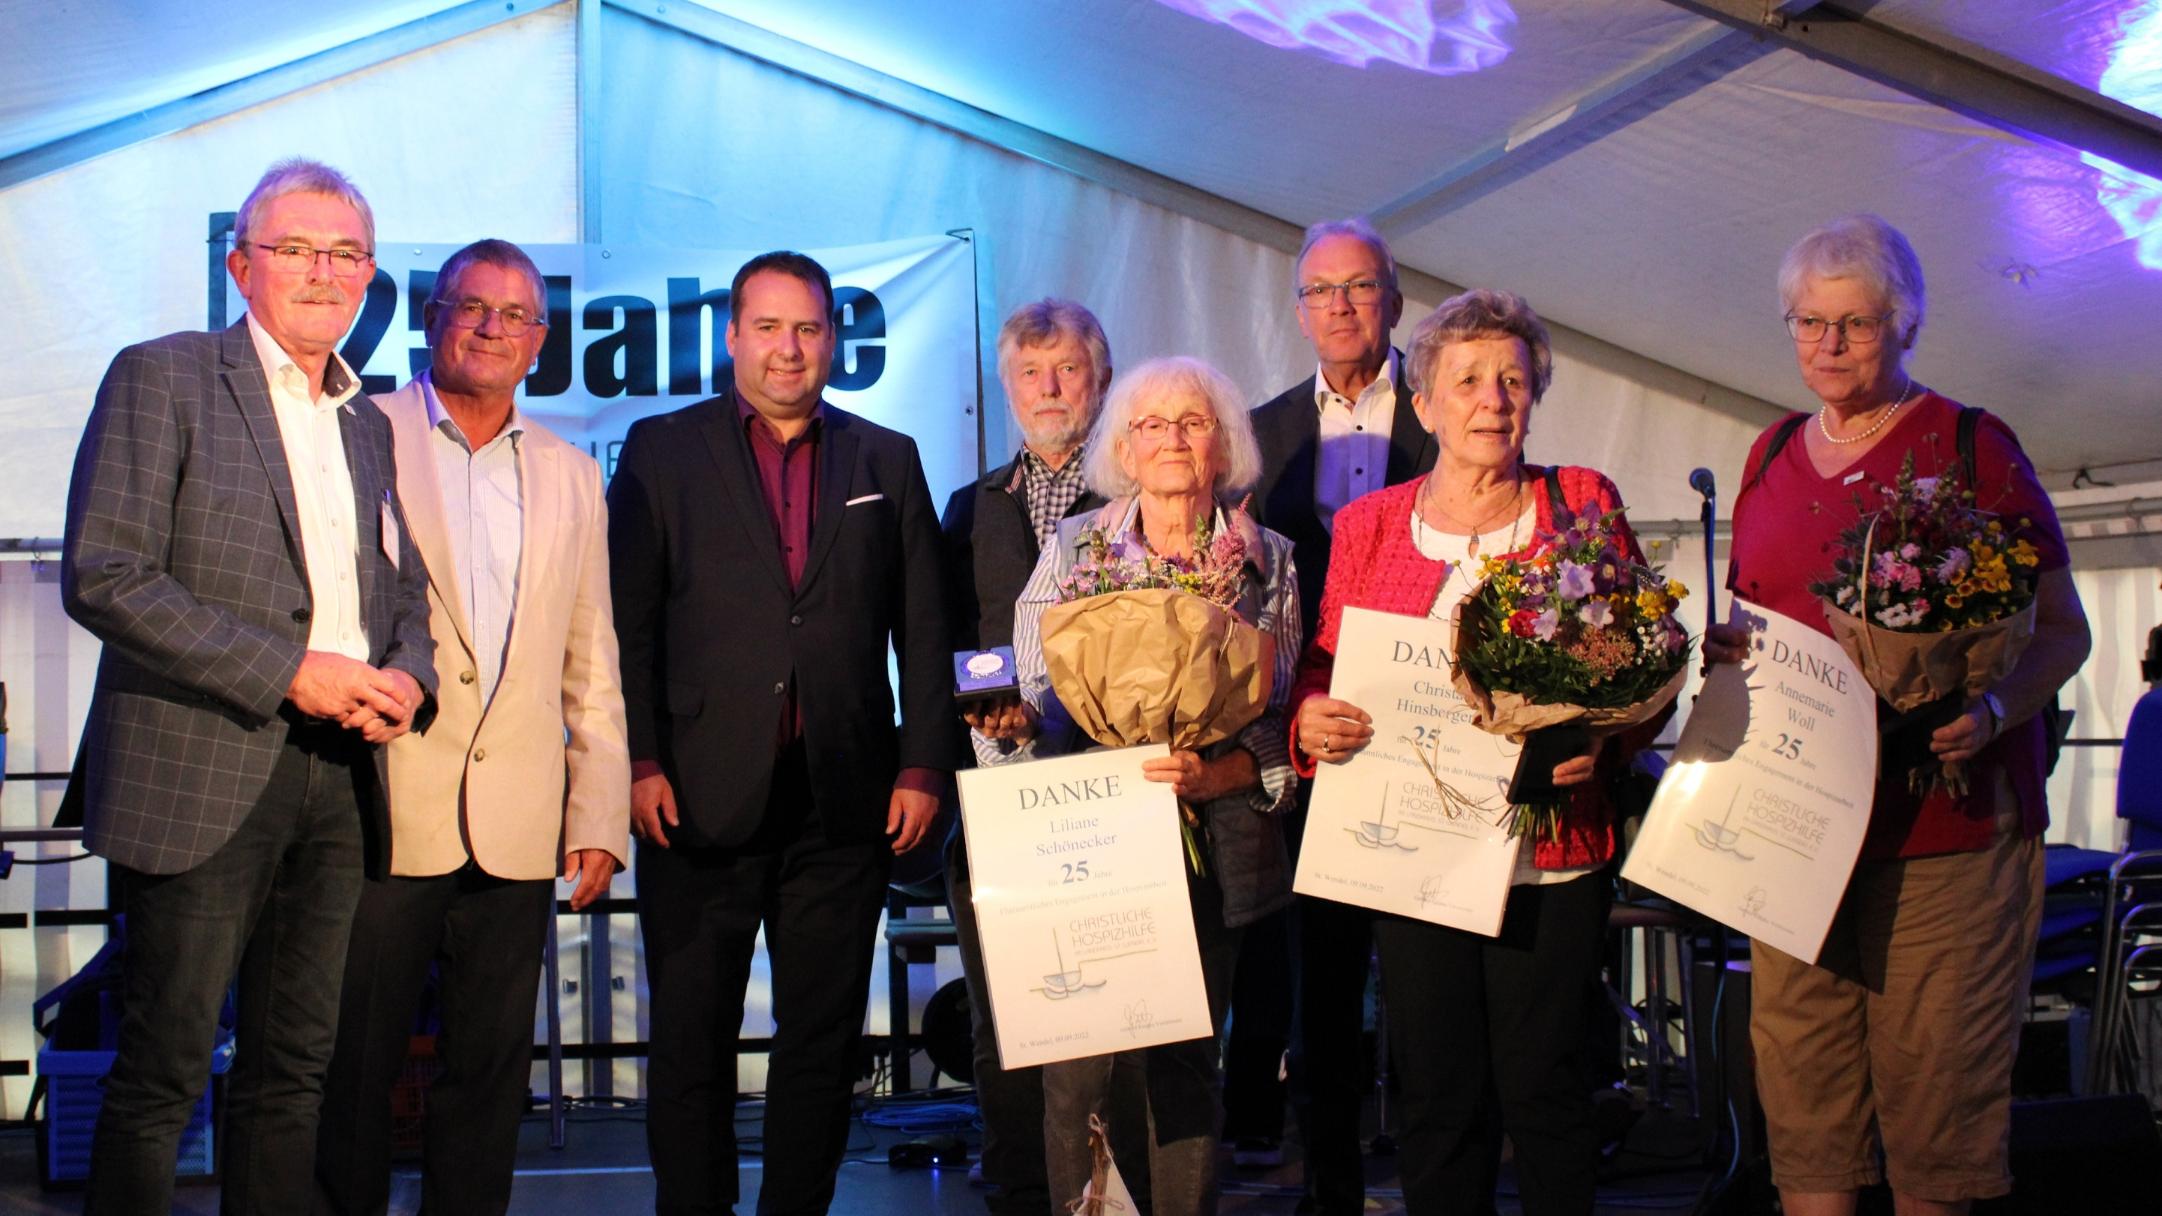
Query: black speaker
[949,1033]
[2093,1156]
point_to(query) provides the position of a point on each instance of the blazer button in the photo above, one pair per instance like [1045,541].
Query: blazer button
[479,754]
[780,688]
[302,615]
[795,620]
[466,677]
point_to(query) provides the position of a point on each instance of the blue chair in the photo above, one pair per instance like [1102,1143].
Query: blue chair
[2139,775]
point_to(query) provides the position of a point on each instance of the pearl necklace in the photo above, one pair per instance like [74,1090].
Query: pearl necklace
[1874,427]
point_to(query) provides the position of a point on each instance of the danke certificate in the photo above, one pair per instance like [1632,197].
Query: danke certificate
[1414,823]
[1080,894]
[1759,819]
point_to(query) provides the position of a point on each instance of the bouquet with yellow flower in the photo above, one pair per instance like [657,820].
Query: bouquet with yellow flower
[1933,598]
[1573,641]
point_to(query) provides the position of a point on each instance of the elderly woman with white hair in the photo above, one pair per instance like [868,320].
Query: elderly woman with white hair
[1173,447]
[1902,1033]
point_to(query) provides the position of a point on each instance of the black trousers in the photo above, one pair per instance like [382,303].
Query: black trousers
[1487,1035]
[487,935]
[1330,1068]
[1332,950]
[700,911]
[274,903]
[1262,1000]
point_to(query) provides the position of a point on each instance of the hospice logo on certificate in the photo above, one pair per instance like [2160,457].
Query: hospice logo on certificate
[1759,819]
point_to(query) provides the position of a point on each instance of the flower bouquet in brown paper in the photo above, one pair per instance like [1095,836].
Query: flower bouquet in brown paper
[1149,649]
[1933,598]
[1557,649]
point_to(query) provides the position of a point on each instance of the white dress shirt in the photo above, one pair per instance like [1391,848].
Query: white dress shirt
[1354,455]
[483,512]
[322,491]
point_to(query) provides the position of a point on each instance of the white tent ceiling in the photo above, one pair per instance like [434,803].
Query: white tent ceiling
[1654,219]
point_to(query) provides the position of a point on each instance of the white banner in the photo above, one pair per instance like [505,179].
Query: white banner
[1081,904]
[639,331]
[1414,822]
[1759,819]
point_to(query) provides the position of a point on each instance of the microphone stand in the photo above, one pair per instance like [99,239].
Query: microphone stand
[1711,583]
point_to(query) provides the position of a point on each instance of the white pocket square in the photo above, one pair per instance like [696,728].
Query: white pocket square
[866,498]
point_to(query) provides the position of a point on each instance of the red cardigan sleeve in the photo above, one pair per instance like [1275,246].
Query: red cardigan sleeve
[1354,545]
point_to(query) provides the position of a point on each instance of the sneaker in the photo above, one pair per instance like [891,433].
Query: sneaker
[1256,1153]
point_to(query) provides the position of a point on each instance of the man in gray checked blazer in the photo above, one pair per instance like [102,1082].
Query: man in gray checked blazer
[234,538]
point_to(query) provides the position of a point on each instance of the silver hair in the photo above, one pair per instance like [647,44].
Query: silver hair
[1045,322]
[1358,229]
[1479,314]
[299,175]
[1861,246]
[490,252]
[1108,438]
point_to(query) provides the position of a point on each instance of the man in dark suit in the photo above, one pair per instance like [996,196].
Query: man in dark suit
[1346,431]
[1054,364]
[234,538]
[766,547]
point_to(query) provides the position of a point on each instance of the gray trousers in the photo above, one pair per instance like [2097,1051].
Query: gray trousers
[1184,1084]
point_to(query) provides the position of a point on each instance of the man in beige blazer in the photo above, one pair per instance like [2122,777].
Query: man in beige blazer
[524,775]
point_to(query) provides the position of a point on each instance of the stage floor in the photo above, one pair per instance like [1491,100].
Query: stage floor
[601,1171]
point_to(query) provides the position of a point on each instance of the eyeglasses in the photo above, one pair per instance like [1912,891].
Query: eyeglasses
[300,259]
[510,322]
[1859,329]
[1317,296]
[1155,429]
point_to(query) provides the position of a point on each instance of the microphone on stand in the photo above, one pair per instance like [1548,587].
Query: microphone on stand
[1701,481]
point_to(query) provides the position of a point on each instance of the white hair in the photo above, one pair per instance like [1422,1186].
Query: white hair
[299,175]
[1861,246]
[1157,378]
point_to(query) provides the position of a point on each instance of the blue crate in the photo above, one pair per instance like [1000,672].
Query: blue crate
[74,1091]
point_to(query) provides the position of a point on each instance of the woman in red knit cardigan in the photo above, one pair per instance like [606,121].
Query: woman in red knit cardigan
[1485,1031]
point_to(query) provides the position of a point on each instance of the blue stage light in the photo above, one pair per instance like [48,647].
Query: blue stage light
[1356,32]
[2134,77]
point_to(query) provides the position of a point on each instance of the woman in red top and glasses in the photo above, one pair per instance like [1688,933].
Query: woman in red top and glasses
[1904,1029]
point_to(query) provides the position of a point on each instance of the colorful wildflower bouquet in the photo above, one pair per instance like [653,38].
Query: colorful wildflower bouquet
[1570,643]
[1933,598]
[1149,649]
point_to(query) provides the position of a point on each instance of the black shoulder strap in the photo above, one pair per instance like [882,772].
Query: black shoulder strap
[1780,435]
[1970,417]
[1554,499]
[2055,718]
